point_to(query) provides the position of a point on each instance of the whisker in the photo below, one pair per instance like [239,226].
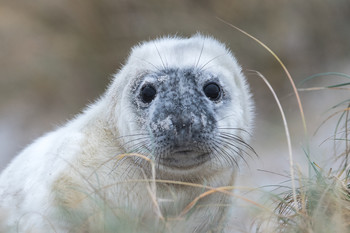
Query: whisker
[225,117]
[238,150]
[229,158]
[233,128]
[142,148]
[240,141]
[136,161]
[131,135]
[200,55]
[133,148]
[136,139]
[165,67]
[156,67]
[205,64]
[139,162]
[215,153]
[208,68]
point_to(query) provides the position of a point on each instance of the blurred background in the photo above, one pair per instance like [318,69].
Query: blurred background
[58,56]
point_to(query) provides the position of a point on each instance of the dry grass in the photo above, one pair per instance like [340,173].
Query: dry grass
[321,203]
[323,199]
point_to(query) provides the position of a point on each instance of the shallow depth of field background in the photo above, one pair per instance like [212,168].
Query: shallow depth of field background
[58,56]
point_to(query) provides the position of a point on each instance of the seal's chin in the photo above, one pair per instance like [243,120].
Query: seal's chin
[185,159]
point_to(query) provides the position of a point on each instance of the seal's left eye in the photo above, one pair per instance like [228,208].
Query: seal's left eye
[212,91]
[148,93]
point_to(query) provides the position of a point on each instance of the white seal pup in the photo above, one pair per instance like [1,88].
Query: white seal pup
[181,107]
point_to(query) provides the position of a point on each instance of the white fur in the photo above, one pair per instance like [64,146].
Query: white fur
[60,168]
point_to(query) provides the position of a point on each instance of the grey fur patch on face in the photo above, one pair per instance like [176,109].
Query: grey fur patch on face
[181,120]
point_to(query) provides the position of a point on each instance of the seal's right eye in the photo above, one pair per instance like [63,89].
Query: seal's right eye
[148,93]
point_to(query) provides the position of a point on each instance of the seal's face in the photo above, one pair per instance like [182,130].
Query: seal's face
[185,103]
[180,107]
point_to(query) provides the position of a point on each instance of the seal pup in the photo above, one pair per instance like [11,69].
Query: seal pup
[179,111]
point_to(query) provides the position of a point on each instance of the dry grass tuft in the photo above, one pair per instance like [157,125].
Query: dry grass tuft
[323,200]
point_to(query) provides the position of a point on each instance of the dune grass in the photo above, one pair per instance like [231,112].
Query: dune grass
[323,198]
[321,203]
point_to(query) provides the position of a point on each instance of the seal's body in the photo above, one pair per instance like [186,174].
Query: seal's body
[175,115]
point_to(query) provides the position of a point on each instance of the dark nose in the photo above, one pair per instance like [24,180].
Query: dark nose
[188,128]
[184,125]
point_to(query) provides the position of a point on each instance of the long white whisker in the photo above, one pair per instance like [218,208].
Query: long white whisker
[165,66]
[200,54]
[211,60]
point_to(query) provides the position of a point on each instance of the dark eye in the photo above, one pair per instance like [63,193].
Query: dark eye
[212,91]
[148,93]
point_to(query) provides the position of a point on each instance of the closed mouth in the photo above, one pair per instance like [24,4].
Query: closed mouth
[185,159]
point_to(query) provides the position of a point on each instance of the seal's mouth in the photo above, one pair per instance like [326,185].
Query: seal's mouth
[185,159]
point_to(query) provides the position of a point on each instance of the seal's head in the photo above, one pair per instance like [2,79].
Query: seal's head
[184,102]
